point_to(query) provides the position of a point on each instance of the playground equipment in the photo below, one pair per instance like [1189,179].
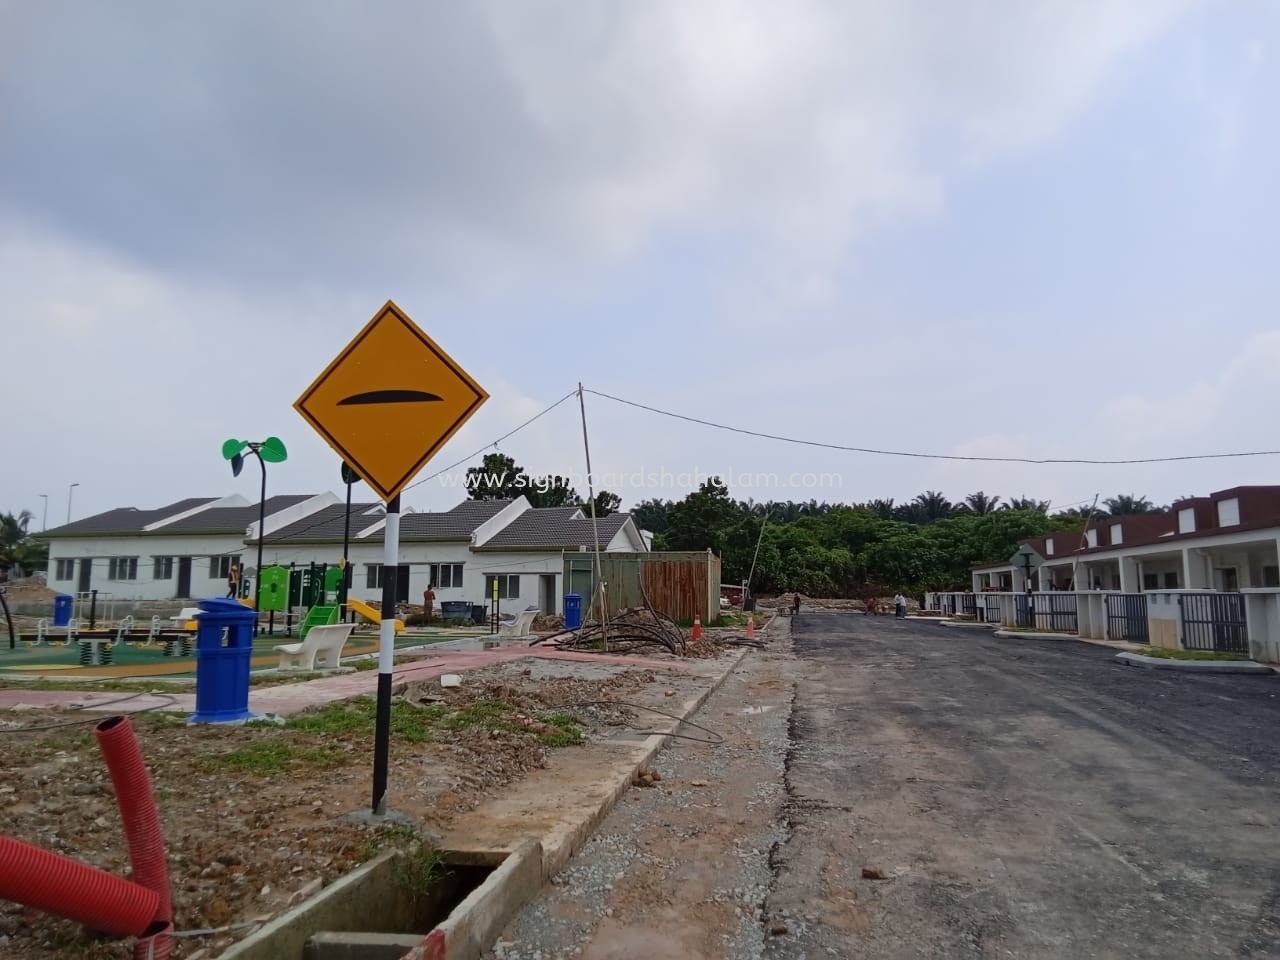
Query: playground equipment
[369,612]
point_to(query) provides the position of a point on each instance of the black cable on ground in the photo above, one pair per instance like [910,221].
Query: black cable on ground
[662,713]
[169,702]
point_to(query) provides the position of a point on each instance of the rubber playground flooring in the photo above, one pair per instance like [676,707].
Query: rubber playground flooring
[136,659]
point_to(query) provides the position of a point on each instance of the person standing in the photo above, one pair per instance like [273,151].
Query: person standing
[429,600]
[795,604]
[900,605]
[233,581]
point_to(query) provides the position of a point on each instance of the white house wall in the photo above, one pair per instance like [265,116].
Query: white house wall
[146,548]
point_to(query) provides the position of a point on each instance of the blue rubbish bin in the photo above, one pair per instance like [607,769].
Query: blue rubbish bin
[62,605]
[572,611]
[224,649]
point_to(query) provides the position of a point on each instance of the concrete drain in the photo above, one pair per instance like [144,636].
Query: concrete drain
[371,915]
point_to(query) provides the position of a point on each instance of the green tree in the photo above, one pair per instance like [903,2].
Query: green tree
[550,491]
[18,549]
[981,504]
[605,504]
[1126,504]
[497,478]
[702,519]
[1028,503]
[652,515]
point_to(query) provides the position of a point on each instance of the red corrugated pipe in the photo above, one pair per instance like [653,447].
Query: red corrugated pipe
[141,826]
[68,888]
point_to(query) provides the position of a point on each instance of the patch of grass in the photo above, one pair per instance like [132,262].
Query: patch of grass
[357,716]
[420,864]
[363,665]
[269,756]
[1163,653]
[565,730]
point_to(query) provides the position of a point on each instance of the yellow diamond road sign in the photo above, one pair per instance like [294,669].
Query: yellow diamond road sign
[390,400]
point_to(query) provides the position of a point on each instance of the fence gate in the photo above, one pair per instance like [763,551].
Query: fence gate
[991,609]
[1214,621]
[1022,611]
[1059,609]
[969,605]
[1127,617]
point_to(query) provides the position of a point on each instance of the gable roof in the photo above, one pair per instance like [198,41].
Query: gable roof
[230,519]
[125,520]
[555,528]
[326,525]
[456,524]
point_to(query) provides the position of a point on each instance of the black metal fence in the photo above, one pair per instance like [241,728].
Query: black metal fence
[1056,611]
[990,609]
[969,605]
[1127,617]
[1023,611]
[1214,621]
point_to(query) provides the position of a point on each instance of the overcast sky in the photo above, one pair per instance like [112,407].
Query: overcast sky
[1018,228]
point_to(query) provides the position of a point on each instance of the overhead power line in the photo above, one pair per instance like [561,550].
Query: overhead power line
[1097,461]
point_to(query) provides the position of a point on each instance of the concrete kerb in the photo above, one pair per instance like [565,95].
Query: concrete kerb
[1195,666]
[965,624]
[1019,635]
[559,849]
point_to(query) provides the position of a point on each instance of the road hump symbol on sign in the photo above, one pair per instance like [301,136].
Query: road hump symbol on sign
[389,401]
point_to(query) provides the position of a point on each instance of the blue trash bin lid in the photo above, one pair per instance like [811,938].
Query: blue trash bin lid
[225,606]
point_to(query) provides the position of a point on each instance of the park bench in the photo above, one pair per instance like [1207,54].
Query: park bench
[520,626]
[322,650]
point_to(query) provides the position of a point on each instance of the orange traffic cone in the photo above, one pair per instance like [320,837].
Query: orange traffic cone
[751,627]
[697,627]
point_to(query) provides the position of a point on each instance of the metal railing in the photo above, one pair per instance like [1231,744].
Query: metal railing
[1214,621]
[1056,612]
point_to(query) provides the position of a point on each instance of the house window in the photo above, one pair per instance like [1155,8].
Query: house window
[447,575]
[508,586]
[163,568]
[1048,547]
[1187,520]
[1171,580]
[1271,576]
[1115,581]
[64,570]
[122,568]
[1228,512]
[220,567]
[373,576]
[1151,581]
[1117,534]
[1091,537]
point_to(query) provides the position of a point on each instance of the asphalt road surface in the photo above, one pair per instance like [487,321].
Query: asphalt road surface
[1026,799]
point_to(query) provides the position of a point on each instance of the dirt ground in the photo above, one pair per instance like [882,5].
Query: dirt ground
[254,816]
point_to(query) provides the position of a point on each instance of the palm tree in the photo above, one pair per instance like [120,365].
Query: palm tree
[932,506]
[981,504]
[1126,504]
[17,549]
[881,508]
[1028,503]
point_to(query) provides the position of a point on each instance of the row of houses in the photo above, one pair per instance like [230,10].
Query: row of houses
[185,550]
[1205,575]
[1227,541]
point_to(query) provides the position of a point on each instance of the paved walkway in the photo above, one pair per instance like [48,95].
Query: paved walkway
[290,698]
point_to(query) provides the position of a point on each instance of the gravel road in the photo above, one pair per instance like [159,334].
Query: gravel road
[680,870]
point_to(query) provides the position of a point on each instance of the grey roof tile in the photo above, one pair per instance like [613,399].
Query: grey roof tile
[456,524]
[556,528]
[326,524]
[230,519]
[124,519]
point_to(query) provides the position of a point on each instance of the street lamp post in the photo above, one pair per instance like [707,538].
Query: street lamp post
[44,521]
[350,478]
[70,490]
[270,450]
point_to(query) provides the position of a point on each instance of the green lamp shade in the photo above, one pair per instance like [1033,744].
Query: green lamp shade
[272,450]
